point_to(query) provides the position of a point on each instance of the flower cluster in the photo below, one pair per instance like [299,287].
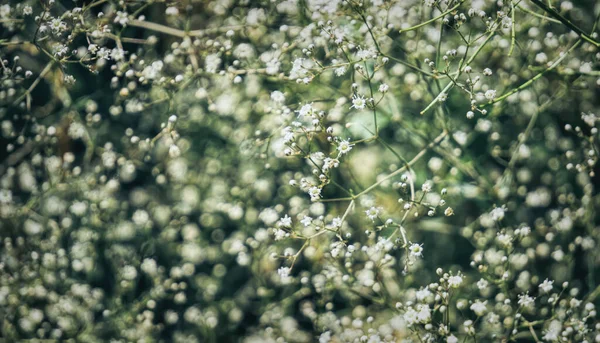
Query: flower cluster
[299,171]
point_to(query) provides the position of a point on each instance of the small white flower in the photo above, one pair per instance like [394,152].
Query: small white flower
[426,187]
[416,250]
[487,72]
[546,286]
[372,213]
[455,281]
[479,307]
[172,10]
[451,339]
[314,192]
[306,221]
[344,147]
[286,221]
[482,284]
[383,88]
[339,71]
[358,102]
[277,97]
[336,222]
[284,273]
[305,110]
[497,213]
[121,18]
[490,94]
[525,299]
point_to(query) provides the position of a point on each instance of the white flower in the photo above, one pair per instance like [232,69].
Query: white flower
[426,187]
[336,222]
[372,213]
[451,339]
[298,70]
[339,71]
[497,213]
[172,10]
[383,88]
[487,72]
[121,18]
[455,281]
[306,221]
[490,94]
[57,25]
[284,273]
[27,10]
[325,337]
[329,163]
[344,147]
[422,294]
[286,221]
[553,332]
[277,97]
[365,53]
[410,316]
[358,102]
[546,286]
[525,299]
[479,307]
[449,212]
[306,110]
[482,284]
[416,250]
[424,314]
[279,234]
[314,192]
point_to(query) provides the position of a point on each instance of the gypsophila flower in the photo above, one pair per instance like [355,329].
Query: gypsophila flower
[358,102]
[490,94]
[482,284]
[455,281]
[284,273]
[306,221]
[278,97]
[306,110]
[339,71]
[497,213]
[172,10]
[372,213]
[479,308]
[121,18]
[426,187]
[206,156]
[315,193]
[525,300]
[416,250]
[546,286]
[57,25]
[344,147]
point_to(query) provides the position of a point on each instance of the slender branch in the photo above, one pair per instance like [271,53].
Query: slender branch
[533,79]
[176,32]
[35,83]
